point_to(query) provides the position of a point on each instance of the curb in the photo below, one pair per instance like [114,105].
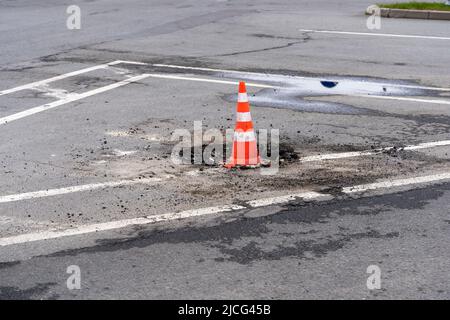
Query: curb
[411,14]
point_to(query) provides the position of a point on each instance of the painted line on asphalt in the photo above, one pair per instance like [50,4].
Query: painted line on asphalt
[74,189]
[53,79]
[391,35]
[113,225]
[306,196]
[396,183]
[342,155]
[435,101]
[171,66]
[71,97]
[44,82]
[163,76]
[310,195]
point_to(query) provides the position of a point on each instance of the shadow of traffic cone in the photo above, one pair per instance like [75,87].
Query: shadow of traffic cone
[245,150]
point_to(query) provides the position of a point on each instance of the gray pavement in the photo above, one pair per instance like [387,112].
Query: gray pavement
[292,252]
[298,250]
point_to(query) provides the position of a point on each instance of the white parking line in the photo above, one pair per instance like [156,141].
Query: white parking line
[162,76]
[44,82]
[112,225]
[390,35]
[435,101]
[396,183]
[310,195]
[53,79]
[306,196]
[342,155]
[71,97]
[73,189]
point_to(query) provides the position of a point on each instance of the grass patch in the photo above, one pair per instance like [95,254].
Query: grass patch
[439,6]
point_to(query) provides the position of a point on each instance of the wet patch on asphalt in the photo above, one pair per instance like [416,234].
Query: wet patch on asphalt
[290,99]
[252,252]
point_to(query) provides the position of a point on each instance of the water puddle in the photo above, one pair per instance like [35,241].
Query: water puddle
[307,86]
[291,90]
[291,99]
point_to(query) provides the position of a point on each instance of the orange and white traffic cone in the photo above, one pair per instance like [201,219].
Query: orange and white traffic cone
[245,150]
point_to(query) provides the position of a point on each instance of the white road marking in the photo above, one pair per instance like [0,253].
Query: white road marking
[52,92]
[435,101]
[309,196]
[173,66]
[121,153]
[112,225]
[391,35]
[396,183]
[162,76]
[73,189]
[53,79]
[127,62]
[44,82]
[427,145]
[71,97]
[298,77]
[342,155]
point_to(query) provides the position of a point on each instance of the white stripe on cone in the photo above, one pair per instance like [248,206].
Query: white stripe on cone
[242,97]
[244,117]
[240,136]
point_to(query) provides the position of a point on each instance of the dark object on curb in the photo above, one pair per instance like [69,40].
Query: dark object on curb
[329,84]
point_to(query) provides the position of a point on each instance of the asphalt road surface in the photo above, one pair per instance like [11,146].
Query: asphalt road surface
[87,181]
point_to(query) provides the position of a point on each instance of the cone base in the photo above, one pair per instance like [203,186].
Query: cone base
[240,166]
[232,163]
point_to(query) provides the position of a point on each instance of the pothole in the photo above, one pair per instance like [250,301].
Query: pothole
[214,155]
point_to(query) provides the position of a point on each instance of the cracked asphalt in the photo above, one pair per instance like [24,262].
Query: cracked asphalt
[299,250]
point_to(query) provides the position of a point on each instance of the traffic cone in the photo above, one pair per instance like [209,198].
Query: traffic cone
[245,150]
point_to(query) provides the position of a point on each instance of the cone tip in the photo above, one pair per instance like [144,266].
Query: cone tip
[242,88]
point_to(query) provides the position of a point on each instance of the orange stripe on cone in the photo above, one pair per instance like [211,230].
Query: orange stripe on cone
[245,150]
